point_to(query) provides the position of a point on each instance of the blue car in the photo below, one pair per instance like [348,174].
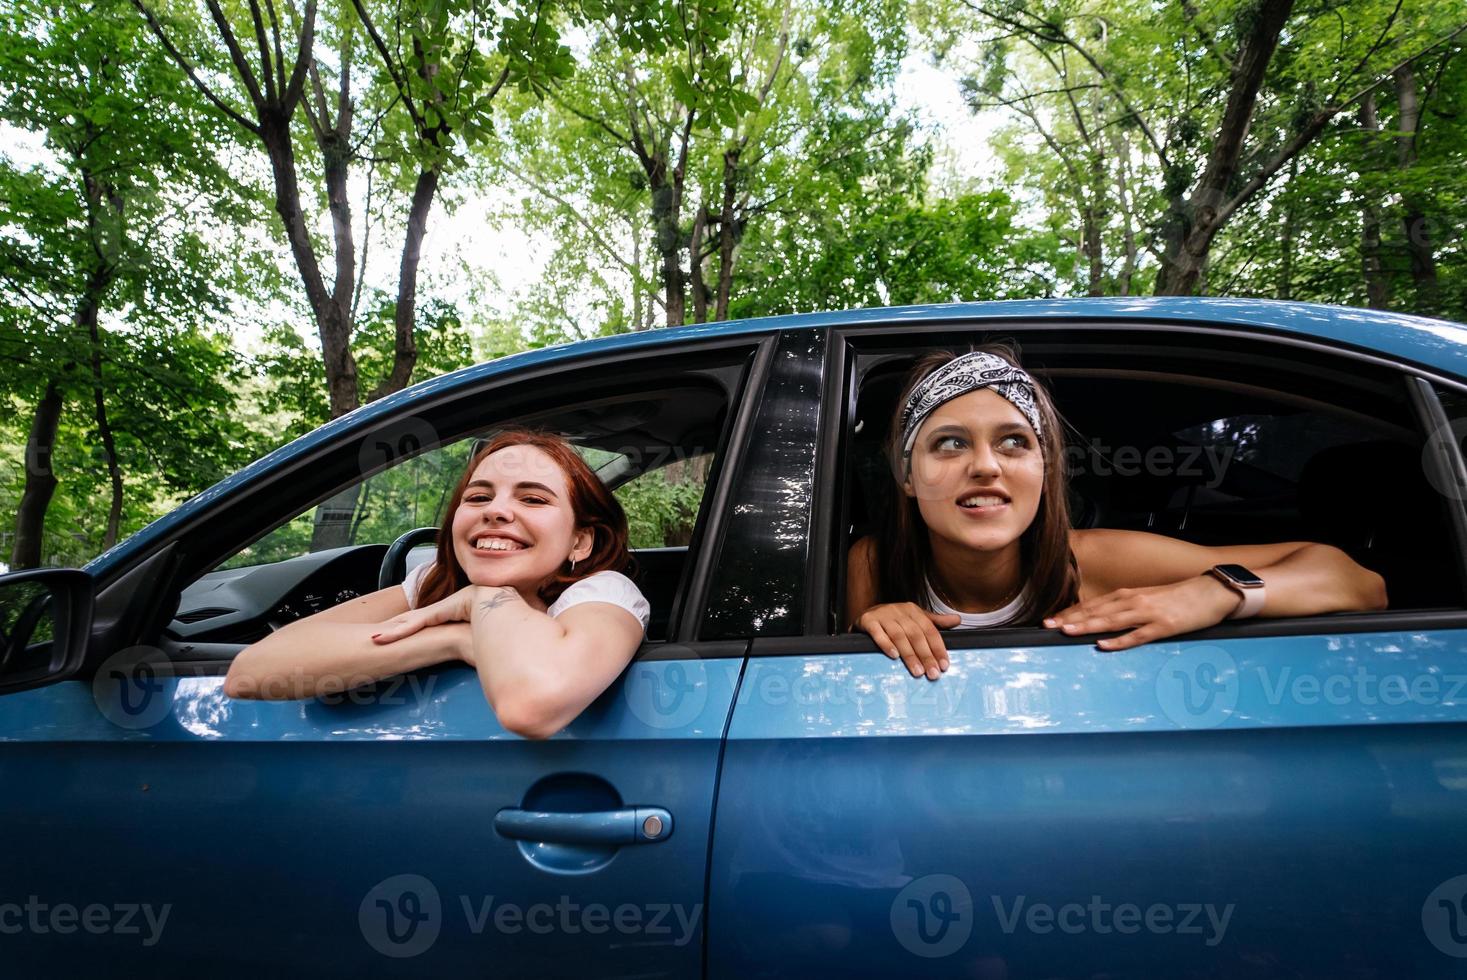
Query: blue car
[761,794]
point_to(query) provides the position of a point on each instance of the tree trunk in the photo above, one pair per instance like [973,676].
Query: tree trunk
[1285,287]
[87,317]
[1192,225]
[405,344]
[332,527]
[695,266]
[728,232]
[668,243]
[636,278]
[1121,149]
[1377,288]
[332,319]
[1090,248]
[40,481]
[1416,224]
[105,229]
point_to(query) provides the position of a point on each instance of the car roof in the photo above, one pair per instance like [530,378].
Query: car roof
[1437,345]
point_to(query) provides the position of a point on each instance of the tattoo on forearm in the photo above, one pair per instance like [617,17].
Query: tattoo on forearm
[501,596]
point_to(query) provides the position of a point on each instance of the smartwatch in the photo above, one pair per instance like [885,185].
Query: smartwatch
[1243,582]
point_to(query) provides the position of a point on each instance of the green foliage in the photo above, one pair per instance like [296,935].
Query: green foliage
[1117,113]
[662,505]
[129,216]
[295,380]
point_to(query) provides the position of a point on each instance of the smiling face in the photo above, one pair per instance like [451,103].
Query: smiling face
[977,472]
[515,524]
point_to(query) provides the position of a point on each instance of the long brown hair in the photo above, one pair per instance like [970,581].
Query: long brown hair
[1046,563]
[593,505]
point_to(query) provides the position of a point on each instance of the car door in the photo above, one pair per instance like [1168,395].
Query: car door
[156,826]
[1269,798]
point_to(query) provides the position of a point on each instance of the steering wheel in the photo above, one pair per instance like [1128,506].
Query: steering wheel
[394,563]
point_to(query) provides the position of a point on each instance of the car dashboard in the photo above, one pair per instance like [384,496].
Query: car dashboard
[243,605]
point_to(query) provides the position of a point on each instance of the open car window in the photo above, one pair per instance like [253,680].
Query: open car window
[1197,446]
[657,451]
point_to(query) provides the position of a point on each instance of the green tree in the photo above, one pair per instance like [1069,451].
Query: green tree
[118,244]
[662,170]
[1209,106]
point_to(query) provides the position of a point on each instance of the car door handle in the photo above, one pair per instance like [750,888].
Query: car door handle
[632,825]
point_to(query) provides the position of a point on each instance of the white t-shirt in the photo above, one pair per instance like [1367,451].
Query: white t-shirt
[603,586]
[973,621]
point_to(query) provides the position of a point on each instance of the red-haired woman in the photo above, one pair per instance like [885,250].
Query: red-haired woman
[527,587]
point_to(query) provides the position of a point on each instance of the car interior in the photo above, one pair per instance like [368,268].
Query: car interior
[624,436]
[1243,450]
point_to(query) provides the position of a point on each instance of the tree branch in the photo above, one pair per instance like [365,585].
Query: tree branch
[188,70]
[1312,128]
[390,62]
[236,53]
[1060,37]
[303,58]
[267,69]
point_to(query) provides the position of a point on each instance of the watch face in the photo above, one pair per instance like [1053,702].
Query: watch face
[1240,575]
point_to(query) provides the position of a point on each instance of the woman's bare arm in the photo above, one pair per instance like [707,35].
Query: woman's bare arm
[1302,578]
[333,651]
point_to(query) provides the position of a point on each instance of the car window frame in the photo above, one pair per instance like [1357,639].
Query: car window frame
[177,558]
[831,503]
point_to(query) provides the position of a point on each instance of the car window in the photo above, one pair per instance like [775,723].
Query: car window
[375,511]
[662,505]
[656,450]
[1197,453]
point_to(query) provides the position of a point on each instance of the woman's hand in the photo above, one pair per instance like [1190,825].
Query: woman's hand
[906,631]
[457,608]
[1150,613]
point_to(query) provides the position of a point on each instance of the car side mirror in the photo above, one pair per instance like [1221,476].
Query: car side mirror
[45,622]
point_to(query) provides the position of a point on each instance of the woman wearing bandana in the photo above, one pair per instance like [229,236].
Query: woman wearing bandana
[977,534]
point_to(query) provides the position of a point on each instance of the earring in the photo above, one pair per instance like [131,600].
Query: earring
[573,563]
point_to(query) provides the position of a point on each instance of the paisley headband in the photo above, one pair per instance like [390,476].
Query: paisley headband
[958,377]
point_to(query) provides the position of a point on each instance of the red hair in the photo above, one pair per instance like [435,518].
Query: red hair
[592,504]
